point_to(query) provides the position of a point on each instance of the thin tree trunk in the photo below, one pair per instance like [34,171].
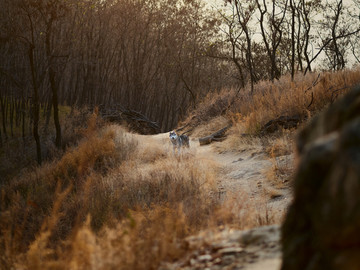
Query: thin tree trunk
[0,139]
[2,104]
[12,109]
[47,113]
[292,39]
[23,107]
[35,109]
[53,85]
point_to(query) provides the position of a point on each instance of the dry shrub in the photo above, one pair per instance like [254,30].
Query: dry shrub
[302,97]
[40,255]
[91,154]
[141,241]
[237,140]
[242,212]
[209,127]
[28,199]
[280,149]
[76,124]
[149,151]
[213,105]
[280,144]
[281,171]
[146,239]
[105,201]
[154,209]
[167,180]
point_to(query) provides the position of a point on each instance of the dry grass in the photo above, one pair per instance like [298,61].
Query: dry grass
[28,199]
[141,241]
[238,141]
[209,127]
[303,97]
[105,200]
[242,212]
[280,151]
[215,104]
[281,171]
[279,144]
[114,200]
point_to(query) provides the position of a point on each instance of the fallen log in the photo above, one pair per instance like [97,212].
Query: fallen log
[135,120]
[217,136]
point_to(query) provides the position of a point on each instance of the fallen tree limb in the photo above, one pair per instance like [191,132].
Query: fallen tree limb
[217,136]
[135,120]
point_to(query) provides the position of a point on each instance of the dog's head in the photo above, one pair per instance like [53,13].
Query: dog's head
[173,135]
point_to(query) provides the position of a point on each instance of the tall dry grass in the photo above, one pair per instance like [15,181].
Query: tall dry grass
[28,199]
[302,97]
[113,200]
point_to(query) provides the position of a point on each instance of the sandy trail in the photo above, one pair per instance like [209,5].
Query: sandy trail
[242,171]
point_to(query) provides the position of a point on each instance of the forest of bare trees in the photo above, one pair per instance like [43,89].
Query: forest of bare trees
[157,57]
[266,39]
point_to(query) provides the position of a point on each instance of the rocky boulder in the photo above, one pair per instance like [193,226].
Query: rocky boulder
[322,227]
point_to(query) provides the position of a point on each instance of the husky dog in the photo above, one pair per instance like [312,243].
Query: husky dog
[179,141]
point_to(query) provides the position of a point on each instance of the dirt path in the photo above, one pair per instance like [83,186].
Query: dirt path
[239,172]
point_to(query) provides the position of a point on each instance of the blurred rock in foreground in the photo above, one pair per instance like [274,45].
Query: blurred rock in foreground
[322,227]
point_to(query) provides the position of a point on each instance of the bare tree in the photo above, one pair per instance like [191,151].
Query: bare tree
[273,38]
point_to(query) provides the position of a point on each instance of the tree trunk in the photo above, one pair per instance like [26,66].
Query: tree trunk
[35,109]
[2,104]
[23,114]
[12,109]
[292,39]
[53,85]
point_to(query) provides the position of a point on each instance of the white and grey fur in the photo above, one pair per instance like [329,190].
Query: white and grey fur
[179,141]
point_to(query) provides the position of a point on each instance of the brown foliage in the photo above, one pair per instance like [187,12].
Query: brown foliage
[303,97]
[102,202]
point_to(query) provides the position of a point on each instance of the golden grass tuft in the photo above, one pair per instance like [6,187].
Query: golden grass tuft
[240,211]
[280,149]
